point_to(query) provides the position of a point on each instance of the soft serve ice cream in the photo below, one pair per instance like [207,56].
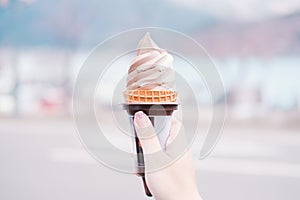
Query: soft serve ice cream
[151,69]
[150,76]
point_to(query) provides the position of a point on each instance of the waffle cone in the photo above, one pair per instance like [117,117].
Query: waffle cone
[150,96]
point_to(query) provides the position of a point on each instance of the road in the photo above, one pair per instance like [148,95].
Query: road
[44,159]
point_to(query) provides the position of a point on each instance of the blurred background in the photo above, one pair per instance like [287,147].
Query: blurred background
[255,45]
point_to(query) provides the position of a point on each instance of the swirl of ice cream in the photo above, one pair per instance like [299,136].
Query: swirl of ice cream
[151,69]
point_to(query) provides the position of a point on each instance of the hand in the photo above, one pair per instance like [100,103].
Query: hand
[173,182]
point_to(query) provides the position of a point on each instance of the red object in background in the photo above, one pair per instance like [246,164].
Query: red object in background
[53,101]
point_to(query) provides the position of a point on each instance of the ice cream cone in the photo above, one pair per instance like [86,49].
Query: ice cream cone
[150,82]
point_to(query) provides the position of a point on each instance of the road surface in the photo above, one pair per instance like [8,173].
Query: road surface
[44,159]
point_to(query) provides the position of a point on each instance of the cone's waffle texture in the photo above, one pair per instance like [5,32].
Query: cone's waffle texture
[150,96]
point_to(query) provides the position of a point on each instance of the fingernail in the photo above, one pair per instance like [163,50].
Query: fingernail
[141,119]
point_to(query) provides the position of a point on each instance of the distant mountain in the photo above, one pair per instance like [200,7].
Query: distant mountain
[77,23]
[74,23]
[273,37]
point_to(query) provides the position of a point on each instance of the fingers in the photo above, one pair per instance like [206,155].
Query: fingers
[146,133]
[154,156]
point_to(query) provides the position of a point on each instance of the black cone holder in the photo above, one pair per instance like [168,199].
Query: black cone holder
[151,110]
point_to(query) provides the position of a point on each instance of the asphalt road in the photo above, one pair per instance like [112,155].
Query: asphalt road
[44,159]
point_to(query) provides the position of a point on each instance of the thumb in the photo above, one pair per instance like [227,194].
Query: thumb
[146,133]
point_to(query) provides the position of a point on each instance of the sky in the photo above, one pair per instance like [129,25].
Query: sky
[244,10]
